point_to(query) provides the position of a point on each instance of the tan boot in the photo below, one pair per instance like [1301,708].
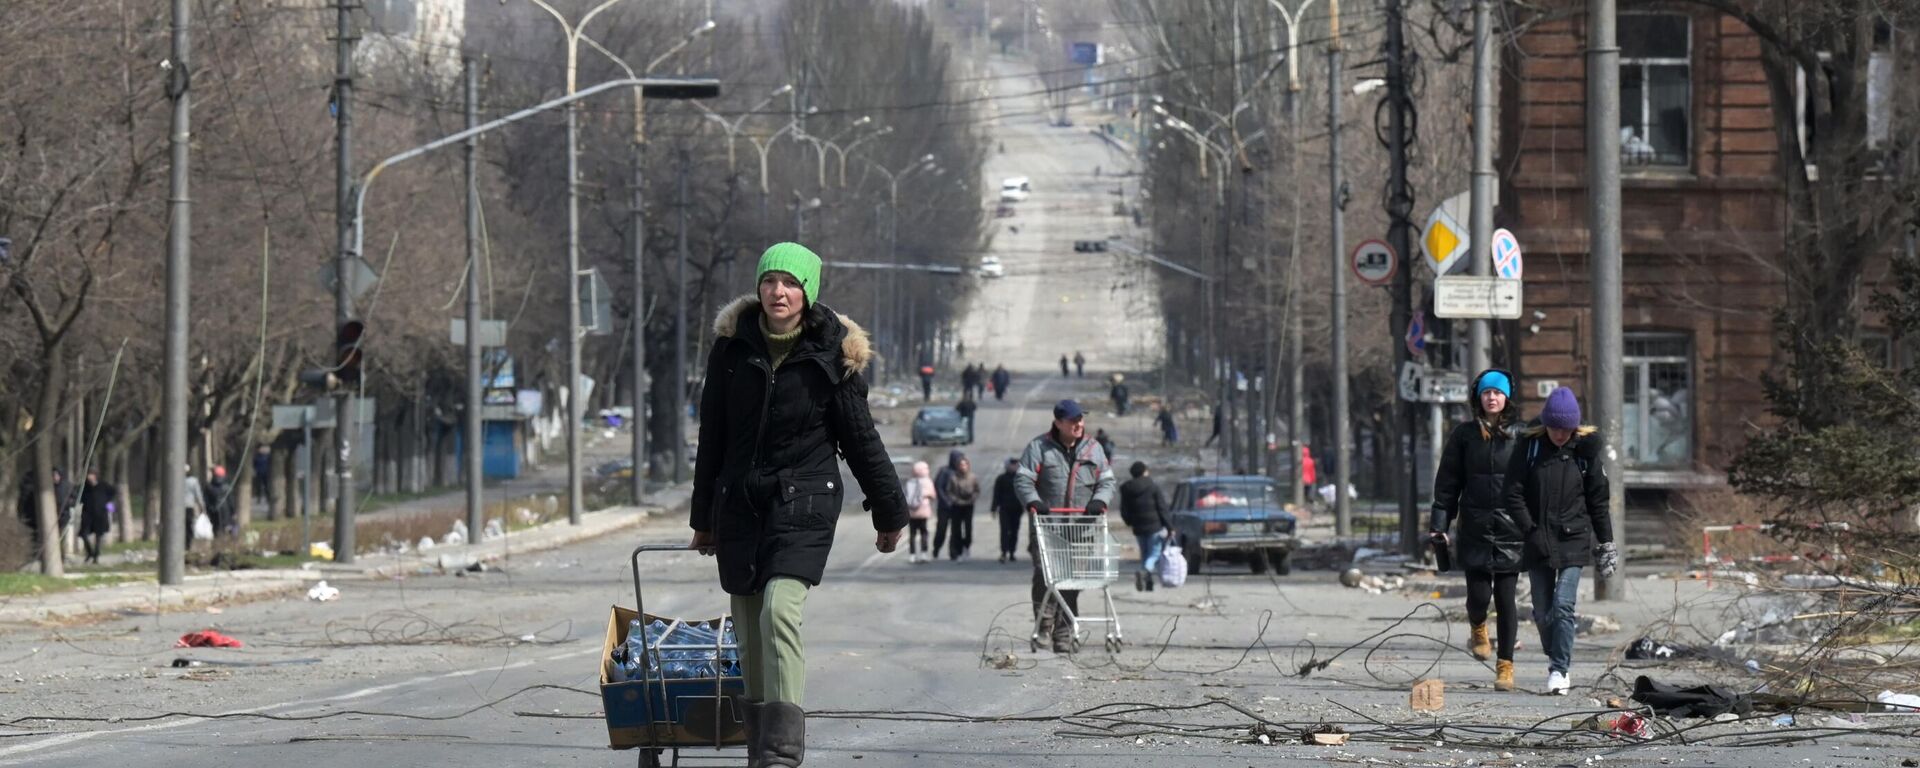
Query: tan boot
[1503,675]
[1480,647]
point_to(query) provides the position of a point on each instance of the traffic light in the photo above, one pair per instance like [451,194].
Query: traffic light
[346,360]
[347,354]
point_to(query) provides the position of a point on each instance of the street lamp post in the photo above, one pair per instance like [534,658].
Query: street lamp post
[891,317]
[574,405]
[636,153]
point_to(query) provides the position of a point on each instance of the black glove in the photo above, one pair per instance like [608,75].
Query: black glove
[1037,508]
[1096,507]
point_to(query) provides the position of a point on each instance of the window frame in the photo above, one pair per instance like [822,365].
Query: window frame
[1636,365]
[1645,126]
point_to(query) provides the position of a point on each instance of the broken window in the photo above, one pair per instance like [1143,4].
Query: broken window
[1657,421]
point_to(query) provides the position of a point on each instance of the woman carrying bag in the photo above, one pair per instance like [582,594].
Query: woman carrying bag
[1555,483]
[1468,492]
[784,399]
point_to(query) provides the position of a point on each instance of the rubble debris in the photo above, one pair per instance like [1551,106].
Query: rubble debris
[1646,649]
[493,531]
[1351,577]
[426,543]
[1596,624]
[1899,702]
[1428,696]
[322,593]
[1327,735]
[1632,724]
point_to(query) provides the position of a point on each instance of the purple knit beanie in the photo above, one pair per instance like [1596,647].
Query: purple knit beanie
[1562,410]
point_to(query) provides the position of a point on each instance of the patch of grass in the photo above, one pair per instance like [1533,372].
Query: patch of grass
[37,584]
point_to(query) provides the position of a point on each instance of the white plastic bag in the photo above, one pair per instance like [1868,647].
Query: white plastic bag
[322,593]
[202,527]
[1173,564]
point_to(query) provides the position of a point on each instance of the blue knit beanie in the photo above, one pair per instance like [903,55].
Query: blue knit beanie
[1562,410]
[1493,380]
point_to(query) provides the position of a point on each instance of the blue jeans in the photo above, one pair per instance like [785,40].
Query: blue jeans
[1554,596]
[1150,544]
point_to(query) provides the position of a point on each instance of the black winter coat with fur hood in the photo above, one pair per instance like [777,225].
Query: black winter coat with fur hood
[767,477]
[1470,489]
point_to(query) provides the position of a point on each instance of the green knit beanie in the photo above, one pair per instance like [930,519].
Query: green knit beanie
[794,259]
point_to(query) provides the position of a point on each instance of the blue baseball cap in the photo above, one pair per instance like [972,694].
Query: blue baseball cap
[1068,409]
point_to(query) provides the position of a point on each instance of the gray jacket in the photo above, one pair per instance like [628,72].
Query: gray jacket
[1049,476]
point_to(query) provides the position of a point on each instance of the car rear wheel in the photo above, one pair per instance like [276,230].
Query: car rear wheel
[1281,560]
[1257,561]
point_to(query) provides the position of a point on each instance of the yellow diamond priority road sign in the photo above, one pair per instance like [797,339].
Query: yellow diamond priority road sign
[1445,240]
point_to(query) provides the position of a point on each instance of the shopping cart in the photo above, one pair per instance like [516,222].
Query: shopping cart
[1077,552]
[653,711]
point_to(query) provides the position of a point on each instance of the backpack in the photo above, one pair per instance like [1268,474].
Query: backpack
[916,500]
[1173,564]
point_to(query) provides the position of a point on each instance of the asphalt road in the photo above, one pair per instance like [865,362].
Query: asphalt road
[1053,300]
[431,670]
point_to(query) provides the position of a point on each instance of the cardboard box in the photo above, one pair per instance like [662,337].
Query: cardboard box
[667,713]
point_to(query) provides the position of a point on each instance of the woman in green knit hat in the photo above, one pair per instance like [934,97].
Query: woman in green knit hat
[784,396]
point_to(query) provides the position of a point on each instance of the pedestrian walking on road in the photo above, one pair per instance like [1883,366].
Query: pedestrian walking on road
[926,381]
[1066,369]
[1219,422]
[1106,443]
[959,490]
[262,476]
[1080,364]
[969,378]
[967,407]
[921,501]
[1119,394]
[1169,432]
[220,502]
[1062,469]
[195,505]
[1008,509]
[1555,484]
[1467,492]
[1144,509]
[96,515]
[1309,475]
[1001,380]
[784,399]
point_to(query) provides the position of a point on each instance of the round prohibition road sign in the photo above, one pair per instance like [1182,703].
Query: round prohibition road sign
[1374,262]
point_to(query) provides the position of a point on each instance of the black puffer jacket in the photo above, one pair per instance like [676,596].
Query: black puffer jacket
[767,480]
[1469,489]
[1142,506]
[1564,492]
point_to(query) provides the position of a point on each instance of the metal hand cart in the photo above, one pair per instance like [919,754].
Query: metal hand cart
[653,712]
[1077,552]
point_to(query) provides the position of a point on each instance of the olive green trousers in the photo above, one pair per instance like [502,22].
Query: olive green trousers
[772,655]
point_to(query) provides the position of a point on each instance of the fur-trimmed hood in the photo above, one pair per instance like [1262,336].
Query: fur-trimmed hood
[856,350]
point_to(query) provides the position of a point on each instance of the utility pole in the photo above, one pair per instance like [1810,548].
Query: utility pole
[1342,437]
[173,517]
[1296,337]
[1480,216]
[1400,237]
[345,419]
[1603,224]
[476,439]
[680,334]
[636,213]
[575,406]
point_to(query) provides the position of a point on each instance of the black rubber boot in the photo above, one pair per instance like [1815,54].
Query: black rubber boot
[784,734]
[750,713]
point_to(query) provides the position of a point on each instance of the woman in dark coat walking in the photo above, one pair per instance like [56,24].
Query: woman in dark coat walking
[1467,491]
[784,399]
[96,515]
[1556,485]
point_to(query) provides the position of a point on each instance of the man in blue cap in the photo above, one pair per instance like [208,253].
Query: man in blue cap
[1062,469]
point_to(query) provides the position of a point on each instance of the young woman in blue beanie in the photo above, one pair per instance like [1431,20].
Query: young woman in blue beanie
[1468,490]
[1554,477]
[784,400]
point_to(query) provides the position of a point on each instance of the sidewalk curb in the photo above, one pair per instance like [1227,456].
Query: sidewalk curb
[211,588]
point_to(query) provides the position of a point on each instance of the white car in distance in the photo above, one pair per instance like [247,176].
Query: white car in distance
[1015,189]
[990,266]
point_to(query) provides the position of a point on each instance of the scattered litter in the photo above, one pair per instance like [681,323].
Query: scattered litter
[457,535]
[1428,696]
[1003,661]
[1597,624]
[1725,717]
[1783,721]
[322,593]
[1646,648]
[477,567]
[493,531]
[1836,721]
[216,610]
[1351,578]
[426,543]
[1697,701]
[1899,702]
[527,516]
[320,549]
[1327,735]
[1632,724]
[206,639]
[1753,666]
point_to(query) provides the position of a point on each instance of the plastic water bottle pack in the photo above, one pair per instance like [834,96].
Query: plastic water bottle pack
[687,650]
